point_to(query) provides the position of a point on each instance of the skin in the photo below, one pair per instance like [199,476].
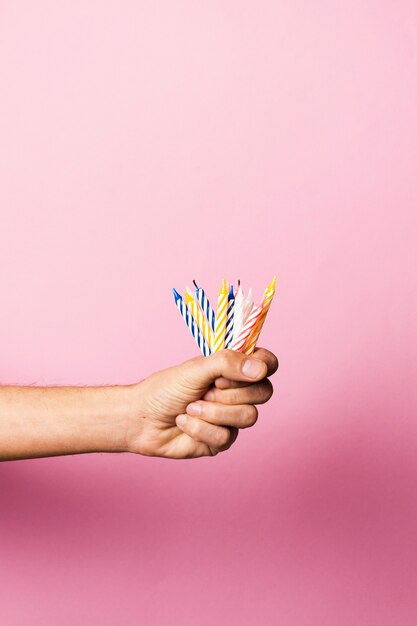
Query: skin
[190,410]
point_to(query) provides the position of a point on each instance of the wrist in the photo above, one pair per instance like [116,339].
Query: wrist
[132,412]
[120,415]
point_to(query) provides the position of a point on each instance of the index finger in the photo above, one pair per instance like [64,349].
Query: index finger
[269,358]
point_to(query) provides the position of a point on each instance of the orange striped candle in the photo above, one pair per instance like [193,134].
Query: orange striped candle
[248,326]
[221,318]
[250,344]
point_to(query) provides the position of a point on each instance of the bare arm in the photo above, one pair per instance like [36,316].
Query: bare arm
[190,410]
[48,421]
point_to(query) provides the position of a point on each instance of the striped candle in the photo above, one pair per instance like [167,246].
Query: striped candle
[265,304]
[248,306]
[248,326]
[230,316]
[221,318]
[238,312]
[203,301]
[198,316]
[190,322]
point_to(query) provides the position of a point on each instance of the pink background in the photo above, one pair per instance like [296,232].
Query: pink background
[144,144]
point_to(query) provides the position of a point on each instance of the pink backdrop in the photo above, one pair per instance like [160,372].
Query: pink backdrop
[144,144]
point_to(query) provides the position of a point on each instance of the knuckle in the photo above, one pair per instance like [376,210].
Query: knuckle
[233,433]
[221,437]
[193,427]
[270,389]
[221,383]
[227,359]
[276,363]
[211,395]
[234,396]
[251,415]
[265,391]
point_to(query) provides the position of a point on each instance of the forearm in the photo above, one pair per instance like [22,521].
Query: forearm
[185,411]
[50,421]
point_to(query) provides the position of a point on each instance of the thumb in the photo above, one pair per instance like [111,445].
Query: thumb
[227,363]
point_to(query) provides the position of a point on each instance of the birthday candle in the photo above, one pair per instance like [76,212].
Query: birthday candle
[221,318]
[248,306]
[248,326]
[238,312]
[202,324]
[265,304]
[190,322]
[201,296]
[230,316]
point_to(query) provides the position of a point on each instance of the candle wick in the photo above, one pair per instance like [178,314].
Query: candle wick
[196,286]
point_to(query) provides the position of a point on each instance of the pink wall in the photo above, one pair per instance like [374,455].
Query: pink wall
[144,144]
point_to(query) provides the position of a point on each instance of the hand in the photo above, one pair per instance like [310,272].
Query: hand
[196,408]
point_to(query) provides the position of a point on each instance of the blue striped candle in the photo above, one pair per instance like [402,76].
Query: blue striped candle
[191,323]
[230,316]
[202,299]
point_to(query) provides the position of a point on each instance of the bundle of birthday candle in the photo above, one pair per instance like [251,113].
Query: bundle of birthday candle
[236,324]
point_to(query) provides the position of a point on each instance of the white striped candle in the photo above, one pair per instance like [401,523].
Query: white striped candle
[238,312]
[248,306]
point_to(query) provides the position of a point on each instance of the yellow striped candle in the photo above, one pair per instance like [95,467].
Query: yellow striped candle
[221,318]
[250,344]
[201,321]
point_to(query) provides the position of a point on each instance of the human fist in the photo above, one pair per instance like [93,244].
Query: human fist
[197,408]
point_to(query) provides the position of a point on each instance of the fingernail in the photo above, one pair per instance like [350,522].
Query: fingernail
[252,368]
[181,420]
[209,396]
[194,408]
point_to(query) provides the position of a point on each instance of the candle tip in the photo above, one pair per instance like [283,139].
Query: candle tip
[177,296]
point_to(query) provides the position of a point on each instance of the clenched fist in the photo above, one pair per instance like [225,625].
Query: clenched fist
[197,408]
